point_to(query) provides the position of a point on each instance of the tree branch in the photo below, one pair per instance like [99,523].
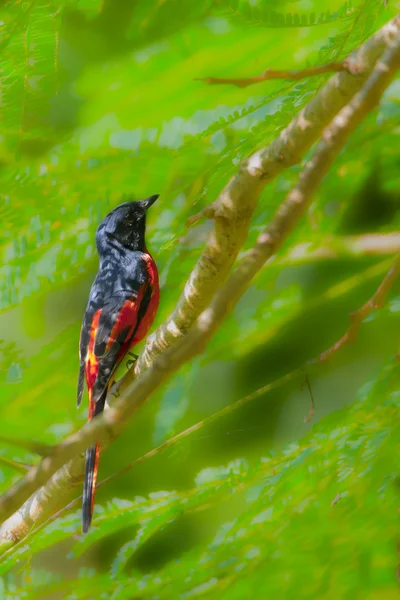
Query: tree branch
[278,74]
[222,243]
[233,209]
[354,246]
[374,303]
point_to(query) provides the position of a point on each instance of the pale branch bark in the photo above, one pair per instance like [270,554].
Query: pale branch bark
[334,247]
[376,302]
[311,412]
[233,209]
[225,211]
[333,139]
[268,74]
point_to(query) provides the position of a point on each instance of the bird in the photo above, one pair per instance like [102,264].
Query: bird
[121,308]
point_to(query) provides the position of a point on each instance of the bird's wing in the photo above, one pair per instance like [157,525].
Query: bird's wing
[83,348]
[112,330]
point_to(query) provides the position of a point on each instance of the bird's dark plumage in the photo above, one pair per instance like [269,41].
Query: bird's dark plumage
[122,305]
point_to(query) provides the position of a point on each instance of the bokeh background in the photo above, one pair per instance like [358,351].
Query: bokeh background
[102,99]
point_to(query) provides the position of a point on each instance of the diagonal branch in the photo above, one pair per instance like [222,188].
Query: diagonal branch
[233,209]
[332,248]
[187,346]
[356,318]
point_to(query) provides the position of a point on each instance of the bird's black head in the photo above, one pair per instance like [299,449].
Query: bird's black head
[124,227]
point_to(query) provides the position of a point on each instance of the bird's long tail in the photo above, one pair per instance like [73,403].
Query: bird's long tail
[91,466]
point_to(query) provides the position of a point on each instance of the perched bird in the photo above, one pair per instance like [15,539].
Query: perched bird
[122,304]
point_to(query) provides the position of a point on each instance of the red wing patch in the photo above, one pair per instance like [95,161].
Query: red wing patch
[126,322]
[148,318]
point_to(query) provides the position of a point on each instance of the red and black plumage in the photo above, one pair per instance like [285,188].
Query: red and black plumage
[122,304]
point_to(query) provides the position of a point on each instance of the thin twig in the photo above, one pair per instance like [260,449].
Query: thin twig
[32,446]
[376,302]
[336,499]
[279,74]
[311,413]
[332,248]
[14,464]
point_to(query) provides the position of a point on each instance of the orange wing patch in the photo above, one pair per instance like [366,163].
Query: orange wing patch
[92,361]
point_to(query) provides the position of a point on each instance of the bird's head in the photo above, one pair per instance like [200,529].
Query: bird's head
[125,226]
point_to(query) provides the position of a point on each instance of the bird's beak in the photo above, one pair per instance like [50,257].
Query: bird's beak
[149,201]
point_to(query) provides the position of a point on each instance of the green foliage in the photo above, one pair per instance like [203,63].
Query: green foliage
[29,78]
[101,99]
[261,13]
[343,477]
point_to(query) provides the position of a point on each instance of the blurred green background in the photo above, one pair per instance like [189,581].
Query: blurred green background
[100,99]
